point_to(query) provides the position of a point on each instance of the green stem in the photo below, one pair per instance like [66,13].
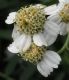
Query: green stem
[64,46]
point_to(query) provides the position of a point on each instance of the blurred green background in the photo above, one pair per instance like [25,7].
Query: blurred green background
[11,66]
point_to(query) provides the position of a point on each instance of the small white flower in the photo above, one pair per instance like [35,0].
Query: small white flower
[50,61]
[45,60]
[31,26]
[61,17]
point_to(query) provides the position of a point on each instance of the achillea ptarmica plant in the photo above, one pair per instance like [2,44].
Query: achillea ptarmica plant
[32,33]
[61,16]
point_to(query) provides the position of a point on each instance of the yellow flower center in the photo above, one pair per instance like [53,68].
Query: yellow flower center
[30,19]
[34,54]
[64,13]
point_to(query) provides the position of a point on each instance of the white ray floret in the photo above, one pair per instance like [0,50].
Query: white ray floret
[51,9]
[50,61]
[39,39]
[10,18]
[21,44]
[64,1]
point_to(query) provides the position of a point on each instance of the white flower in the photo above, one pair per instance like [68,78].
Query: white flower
[28,28]
[45,60]
[50,60]
[61,16]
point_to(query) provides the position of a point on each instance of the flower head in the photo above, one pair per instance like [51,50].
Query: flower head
[64,13]
[45,60]
[33,54]
[61,17]
[30,20]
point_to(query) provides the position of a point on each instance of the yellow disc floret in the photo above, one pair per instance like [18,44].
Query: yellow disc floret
[30,19]
[64,13]
[34,54]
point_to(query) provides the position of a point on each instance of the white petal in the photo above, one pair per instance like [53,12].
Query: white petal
[10,18]
[53,56]
[50,39]
[50,9]
[18,43]
[39,39]
[51,32]
[40,6]
[27,44]
[61,1]
[16,33]
[55,18]
[23,42]
[52,27]
[64,1]
[9,21]
[63,28]
[12,48]
[44,69]
[12,15]
[46,65]
[50,63]
[48,68]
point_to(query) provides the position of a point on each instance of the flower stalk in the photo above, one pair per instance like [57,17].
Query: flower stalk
[65,46]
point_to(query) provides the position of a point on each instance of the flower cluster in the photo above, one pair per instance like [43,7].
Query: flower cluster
[34,31]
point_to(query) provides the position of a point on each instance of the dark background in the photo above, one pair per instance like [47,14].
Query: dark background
[11,66]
